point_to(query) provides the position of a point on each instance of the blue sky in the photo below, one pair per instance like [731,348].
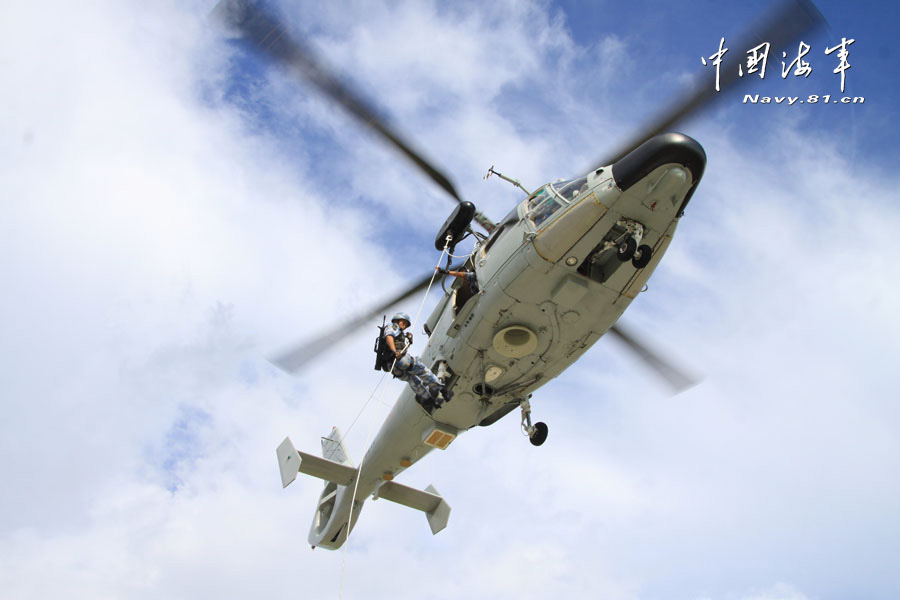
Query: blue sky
[700,25]
[167,226]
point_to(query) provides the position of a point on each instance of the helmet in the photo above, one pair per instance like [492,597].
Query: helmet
[401,315]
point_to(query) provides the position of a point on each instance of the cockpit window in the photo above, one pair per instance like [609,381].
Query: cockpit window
[571,188]
[542,204]
[552,197]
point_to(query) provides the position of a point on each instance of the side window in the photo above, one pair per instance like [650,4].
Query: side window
[495,235]
[542,206]
[511,218]
[537,199]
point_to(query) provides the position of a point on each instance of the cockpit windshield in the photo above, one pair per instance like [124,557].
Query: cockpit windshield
[552,197]
[571,188]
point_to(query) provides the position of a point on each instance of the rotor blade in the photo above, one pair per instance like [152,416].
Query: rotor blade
[677,379]
[295,358]
[272,40]
[790,20]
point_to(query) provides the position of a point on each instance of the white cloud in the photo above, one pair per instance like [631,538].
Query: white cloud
[780,591]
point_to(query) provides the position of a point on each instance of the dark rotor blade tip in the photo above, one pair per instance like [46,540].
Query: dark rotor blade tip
[677,378]
[786,23]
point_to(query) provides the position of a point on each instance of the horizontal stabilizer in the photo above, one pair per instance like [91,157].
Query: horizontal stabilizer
[326,469]
[429,501]
[290,462]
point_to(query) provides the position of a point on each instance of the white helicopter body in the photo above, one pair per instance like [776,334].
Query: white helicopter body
[551,285]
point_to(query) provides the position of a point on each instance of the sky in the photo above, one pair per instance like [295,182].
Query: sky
[174,212]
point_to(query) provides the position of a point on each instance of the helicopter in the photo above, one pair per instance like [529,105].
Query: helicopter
[554,276]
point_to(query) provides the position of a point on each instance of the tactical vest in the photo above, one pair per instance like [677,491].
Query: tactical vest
[384,358]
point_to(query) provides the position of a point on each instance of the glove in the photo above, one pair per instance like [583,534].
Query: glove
[443,271]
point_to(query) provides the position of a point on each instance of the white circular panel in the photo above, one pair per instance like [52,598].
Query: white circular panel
[515,341]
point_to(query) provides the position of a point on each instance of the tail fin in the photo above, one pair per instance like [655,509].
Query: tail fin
[288,462]
[429,501]
[333,448]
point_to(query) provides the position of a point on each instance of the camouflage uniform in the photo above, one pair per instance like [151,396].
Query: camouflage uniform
[410,369]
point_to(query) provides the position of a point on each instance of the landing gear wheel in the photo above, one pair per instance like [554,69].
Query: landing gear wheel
[642,256]
[540,433]
[537,433]
[626,249]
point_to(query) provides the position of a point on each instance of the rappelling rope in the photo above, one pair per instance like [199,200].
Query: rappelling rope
[372,395]
[372,423]
[461,255]
[412,326]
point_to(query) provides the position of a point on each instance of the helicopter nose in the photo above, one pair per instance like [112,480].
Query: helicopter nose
[666,148]
[679,152]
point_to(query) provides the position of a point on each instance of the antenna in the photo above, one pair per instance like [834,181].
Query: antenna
[515,182]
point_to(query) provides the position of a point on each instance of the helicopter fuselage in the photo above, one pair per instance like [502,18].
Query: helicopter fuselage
[553,280]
